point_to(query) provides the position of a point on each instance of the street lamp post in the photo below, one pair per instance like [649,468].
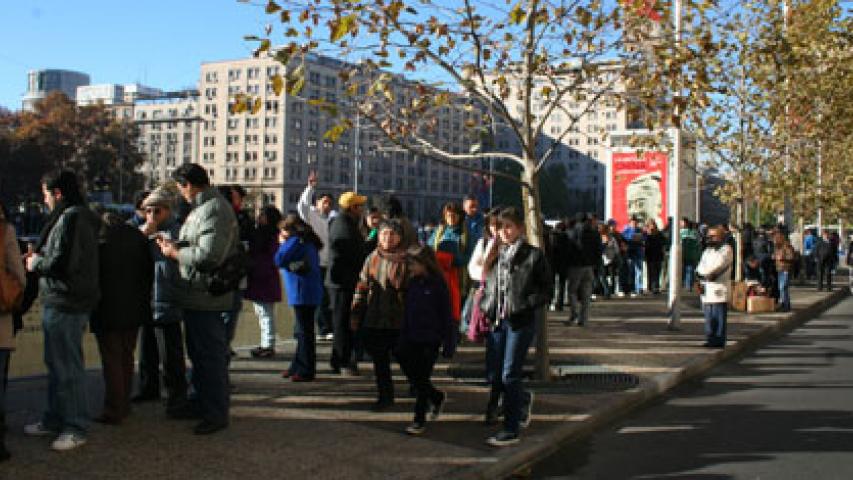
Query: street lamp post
[675,210]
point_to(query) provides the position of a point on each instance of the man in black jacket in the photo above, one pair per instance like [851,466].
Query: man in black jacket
[346,255]
[825,252]
[581,272]
[66,260]
[559,262]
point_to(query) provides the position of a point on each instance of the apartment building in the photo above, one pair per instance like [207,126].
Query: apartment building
[271,152]
[169,134]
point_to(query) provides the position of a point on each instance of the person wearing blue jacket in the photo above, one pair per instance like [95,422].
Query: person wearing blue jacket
[427,325]
[300,262]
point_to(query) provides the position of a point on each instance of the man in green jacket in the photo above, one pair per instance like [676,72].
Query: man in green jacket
[66,260]
[208,237]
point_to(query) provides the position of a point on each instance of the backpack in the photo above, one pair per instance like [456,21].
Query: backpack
[228,276]
[11,290]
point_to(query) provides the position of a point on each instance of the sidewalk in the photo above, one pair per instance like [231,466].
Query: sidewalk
[325,429]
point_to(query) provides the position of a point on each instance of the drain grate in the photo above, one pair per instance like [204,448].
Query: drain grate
[595,377]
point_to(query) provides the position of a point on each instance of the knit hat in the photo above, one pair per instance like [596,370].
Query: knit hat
[351,199]
[160,197]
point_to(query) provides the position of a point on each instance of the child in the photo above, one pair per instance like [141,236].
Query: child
[427,324]
[518,283]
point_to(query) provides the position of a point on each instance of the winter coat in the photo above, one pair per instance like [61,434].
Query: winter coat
[589,241]
[715,270]
[377,302]
[636,240]
[168,284]
[824,251]
[264,279]
[427,318]
[68,265]
[690,247]
[126,277]
[208,237]
[302,289]
[654,247]
[12,256]
[560,252]
[531,287]
[346,252]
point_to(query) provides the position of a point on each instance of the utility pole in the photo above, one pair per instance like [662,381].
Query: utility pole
[789,216]
[675,205]
[357,157]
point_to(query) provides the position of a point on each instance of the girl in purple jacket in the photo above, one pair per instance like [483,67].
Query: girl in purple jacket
[427,325]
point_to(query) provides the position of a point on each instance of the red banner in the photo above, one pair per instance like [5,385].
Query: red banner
[639,187]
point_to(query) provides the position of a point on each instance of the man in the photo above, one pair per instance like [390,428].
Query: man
[235,194]
[690,251]
[473,218]
[346,255]
[714,271]
[809,242]
[209,236]
[166,336]
[581,272]
[825,253]
[318,215]
[784,258]
[633,235]
[66,260]
[558,259]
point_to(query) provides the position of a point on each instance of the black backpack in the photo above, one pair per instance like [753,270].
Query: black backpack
[227,276]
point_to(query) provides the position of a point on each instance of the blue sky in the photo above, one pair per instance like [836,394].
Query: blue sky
[155,42]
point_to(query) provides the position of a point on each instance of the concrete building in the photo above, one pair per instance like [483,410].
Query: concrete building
[168,134]
[271,152]
[42,82]
[113,93]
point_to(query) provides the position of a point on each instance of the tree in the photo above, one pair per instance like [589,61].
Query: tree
[504,69]
[58,134]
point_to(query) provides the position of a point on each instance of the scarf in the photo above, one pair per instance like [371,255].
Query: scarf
[396,273]
[505,279]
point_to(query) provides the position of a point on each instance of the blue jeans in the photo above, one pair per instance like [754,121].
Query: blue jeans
[509,349]
[784,294]
[207,347]
[230,318]
[689,275]
[305,358]
[715,323]
[67,403]
[635,266]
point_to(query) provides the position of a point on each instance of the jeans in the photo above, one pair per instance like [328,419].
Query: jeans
[635,268]
[67,403]
[580,292]
[379,344]
[323,312]
[509,352]
[824,274]
[116,348]
[170,347]
[207,346]
[654,269]
[341,309]
[784,294]
[304,361]
[715,323]
[417,361]
[149,362]
[266,320]
[689,276]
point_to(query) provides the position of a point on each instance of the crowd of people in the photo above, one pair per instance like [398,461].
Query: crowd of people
[176,275]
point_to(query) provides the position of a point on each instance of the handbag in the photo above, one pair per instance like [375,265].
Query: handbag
[478,325]
[11,290]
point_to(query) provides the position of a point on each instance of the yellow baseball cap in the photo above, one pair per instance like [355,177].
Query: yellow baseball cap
[351,199]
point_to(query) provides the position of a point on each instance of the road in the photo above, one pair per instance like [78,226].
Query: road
[783,412]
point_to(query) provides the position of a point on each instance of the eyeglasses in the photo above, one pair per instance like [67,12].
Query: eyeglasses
[154,210]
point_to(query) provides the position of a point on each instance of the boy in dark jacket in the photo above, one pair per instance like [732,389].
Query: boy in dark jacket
[427,324]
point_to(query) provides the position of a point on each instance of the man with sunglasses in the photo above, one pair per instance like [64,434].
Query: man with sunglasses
[162,337]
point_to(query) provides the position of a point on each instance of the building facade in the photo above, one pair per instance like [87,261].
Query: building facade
[271,152]
[169,134]
[42,82]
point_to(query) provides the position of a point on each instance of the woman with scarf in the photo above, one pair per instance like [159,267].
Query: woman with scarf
[453,248]
[519,282]
[377,307]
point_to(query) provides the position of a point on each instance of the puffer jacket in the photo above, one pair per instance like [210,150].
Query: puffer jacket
[209,235]
[168,284]
[531,287]
[68,262]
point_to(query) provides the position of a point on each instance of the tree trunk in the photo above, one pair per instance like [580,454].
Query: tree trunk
[533,220]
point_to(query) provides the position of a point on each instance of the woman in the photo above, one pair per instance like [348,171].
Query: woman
[126,276]
[377,306]
[609,271]
[654,255]
[299,259]
[12,264]
[452,250]
[519,282]
[264,280]
[370,228]
[427,325]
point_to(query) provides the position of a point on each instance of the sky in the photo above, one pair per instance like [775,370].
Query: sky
[157,43]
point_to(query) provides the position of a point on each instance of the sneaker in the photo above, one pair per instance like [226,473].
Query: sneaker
[416,428]
[503,439]
[593,297]
[438,407]
[634,295]
[68,441]
[527,410]
[38,429]
[262,352]
[620,294]
[329,337]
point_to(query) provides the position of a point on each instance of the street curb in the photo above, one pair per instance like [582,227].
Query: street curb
[541,446]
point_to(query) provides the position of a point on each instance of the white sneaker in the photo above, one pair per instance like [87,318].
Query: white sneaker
[330,336]
[620,294]
[38,430]
[68,441]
